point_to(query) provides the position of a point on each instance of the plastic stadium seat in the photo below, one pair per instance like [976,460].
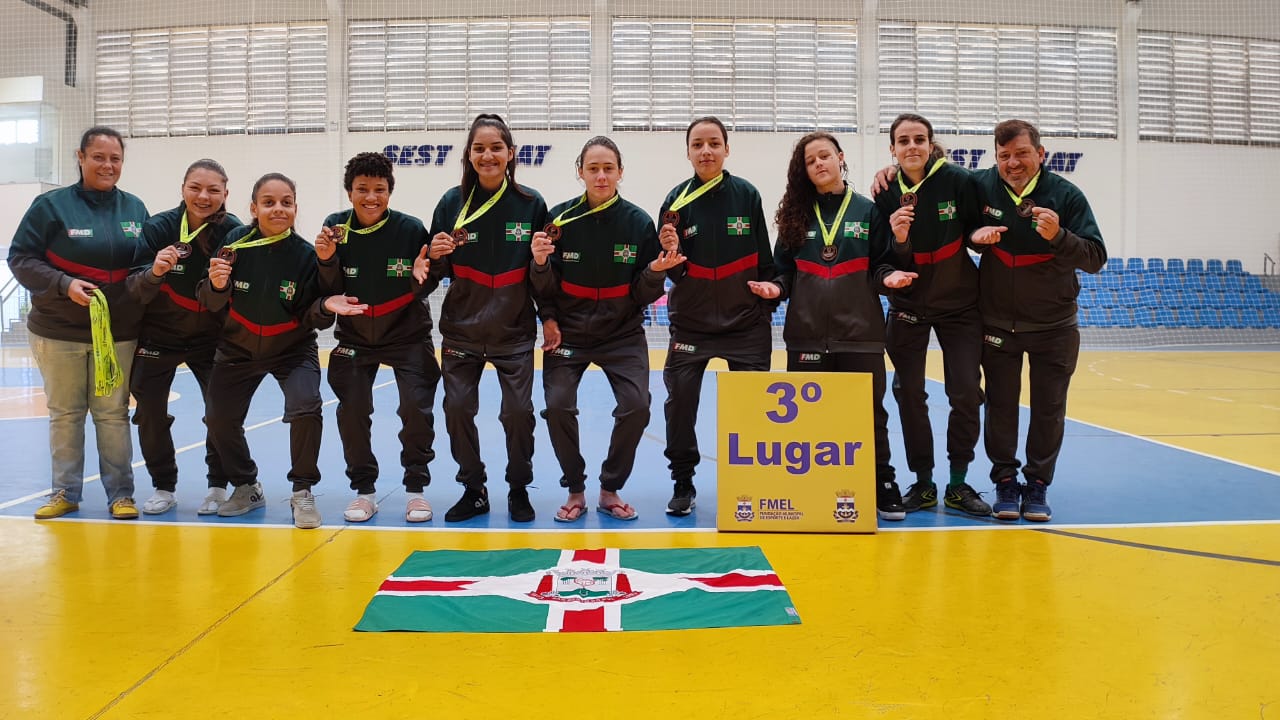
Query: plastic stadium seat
[1113,265]
[1233,283]
[1235,267]
[1195,282]
[1271,317]
[1195,265]
[1108,297]
[1229,299]
[1112,281]
[1215,282]
[1234,318]
[1171,283]
[1175,265]
[1214,266]
[1121,317]
[1254,318]
[1134,264]
[1155,264]
[1088,298]
[1209,318]
[1146,317]
[1086,280]
[1091,316]
[1252,284]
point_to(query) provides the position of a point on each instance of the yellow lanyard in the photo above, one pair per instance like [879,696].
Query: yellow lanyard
[464,218]
[685,198]
[1017,199]
[347,229]
[185,237]
[107,375]
[829,235]
[248,242]
[560,220]
[903,186]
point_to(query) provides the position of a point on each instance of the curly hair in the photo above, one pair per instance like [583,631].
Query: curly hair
[369,164]
[795,210]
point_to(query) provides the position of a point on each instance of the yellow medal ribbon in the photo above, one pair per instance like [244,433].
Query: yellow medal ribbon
[1017,199]
[903,186]
[248,242]
[829,235]
[464,218]
[347,229]
[685,198]
[185,237]
[107,375]
[560,220]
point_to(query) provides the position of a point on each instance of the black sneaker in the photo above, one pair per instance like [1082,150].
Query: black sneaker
[518,505]
[472,503]
[1035,507]
[920,496]
[964,498]
[1008,498]
[683,500]
[889,501]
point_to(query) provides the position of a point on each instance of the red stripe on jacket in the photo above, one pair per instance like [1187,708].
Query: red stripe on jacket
[181,301]
[93,273]
[1012,260]
[511,277]
[937,256]
[264,330]
[590,293]
[703,272]
[389,306]
[848,267]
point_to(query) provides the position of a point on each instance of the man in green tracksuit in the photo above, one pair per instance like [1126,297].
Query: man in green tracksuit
[1040,230]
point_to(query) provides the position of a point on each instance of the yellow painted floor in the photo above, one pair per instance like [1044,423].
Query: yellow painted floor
[162,621]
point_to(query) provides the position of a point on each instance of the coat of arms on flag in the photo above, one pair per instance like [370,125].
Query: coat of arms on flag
[625,254]
[580,591]
[287,289]
[518,231]
[738,225]
[946,210]
[399,267]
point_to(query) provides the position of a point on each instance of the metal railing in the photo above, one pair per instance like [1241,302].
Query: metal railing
[1268,265]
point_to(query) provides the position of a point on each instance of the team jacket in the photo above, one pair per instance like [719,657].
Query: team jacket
[174,319]
[1026,282]
[725,236]
[948,209]
[75,233]
[834,304]
[598,282]
[377,269]
[488,307]
[273,301]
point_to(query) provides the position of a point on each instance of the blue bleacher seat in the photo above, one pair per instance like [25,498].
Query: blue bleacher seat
[1195,265]
[1252,284]
[1209,317]
[1215,282]
[1194,282]
[1214,266]
[1155,264]
[1121,317]
[1130,297]
[1087,280]
[1108,297]
[1113,265]
[1271,318]
[1112,281]
[1235,267]
[1175,265]
[1253,318]
[1229,299]
[1233,283]
[1234,318]
[1091,316]
[1134,264]
[1088,297]
[1146,317]
[1170,283]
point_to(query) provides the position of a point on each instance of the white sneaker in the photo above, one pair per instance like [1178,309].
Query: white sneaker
[305,514]
[160,503]
[212,501]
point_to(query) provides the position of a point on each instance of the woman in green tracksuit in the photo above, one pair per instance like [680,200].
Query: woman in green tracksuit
[481,233]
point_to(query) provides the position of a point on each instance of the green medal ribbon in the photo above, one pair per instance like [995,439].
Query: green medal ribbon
[829,236]
[248,242]
[185,237]
[903,186]
[464,218]
[685,198]
[106,366]
[560,220]
[1031,186]
[347,229]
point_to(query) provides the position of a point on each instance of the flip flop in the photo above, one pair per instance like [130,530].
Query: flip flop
[619,511]
[568,510]
[418,510]
[360,510]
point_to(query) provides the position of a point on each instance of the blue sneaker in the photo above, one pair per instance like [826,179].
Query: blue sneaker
[1034,505]
[1008,497]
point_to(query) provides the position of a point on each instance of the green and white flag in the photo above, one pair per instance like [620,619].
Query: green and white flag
[738,225]
[287,289]
[580,591]
[625,254]
[518,231]
[946,210]
[399,267]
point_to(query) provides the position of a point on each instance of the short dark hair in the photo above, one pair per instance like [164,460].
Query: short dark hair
[369,164]
[97,130]
[724,133]
[603,142]
[1009,129]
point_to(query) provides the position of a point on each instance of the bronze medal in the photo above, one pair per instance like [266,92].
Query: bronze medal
[908,199]
[671,217]
[183,250]
[1024,207]
[829,252]
[460,237]
[553,231]
[338,233]
[228,254]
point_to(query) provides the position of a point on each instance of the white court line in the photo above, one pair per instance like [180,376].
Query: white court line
[185,448]
[1215,397]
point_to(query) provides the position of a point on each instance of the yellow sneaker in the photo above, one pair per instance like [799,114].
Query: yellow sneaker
[57,506]
[124,509]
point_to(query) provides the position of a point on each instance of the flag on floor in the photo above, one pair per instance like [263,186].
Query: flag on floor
[580,591]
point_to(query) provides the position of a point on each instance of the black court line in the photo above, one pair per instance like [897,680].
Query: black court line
[1160,548]
[216,624]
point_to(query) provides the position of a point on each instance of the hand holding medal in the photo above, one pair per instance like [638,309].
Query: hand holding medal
[543,244]
[1045,222]
[669,233]
[327,241]
[166,259]
[182,249]
[901,219]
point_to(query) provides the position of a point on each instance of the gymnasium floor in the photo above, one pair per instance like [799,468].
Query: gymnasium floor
[1153,594]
